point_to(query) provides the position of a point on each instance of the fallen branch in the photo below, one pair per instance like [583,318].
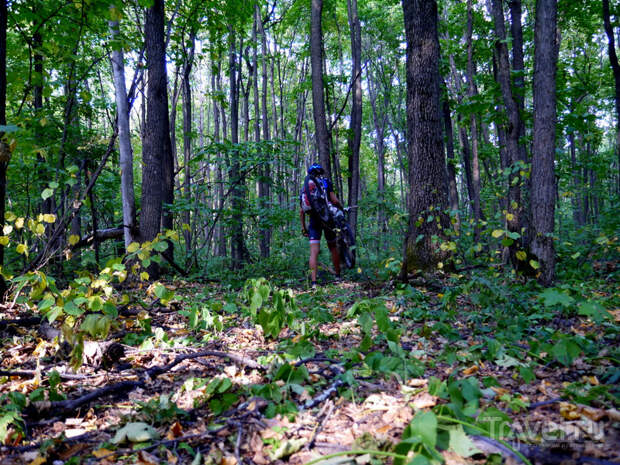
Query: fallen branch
[63,407]
[316,400]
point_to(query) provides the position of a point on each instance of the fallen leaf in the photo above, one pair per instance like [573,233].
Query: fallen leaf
[38,461]
[144,458]
[423,400]
[175,431]
[228,460]
[569,411]
[471,370]
[100,453]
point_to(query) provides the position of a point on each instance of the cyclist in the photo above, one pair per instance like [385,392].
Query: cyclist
[316,226]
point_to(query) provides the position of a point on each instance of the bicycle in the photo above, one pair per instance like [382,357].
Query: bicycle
[345,240]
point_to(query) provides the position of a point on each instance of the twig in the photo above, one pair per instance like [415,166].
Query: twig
[322,396]
[238,443]
[29,373]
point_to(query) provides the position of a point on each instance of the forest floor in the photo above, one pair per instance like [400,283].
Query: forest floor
[477,378]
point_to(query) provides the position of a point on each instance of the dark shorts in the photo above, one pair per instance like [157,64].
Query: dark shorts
[315,228]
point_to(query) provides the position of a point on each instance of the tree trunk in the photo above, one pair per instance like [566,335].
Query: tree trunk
[427,174]
[5,152]
[264,190]
[220,242]
[515,207]
[355,126]
[453,194]
[157,150]
[318,98]
[187,141]
[543,173]
[124,137]
[615,67]
[473,124]
[237,244]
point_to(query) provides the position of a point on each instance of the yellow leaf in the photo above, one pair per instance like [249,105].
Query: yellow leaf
[39,229]
[470,371]
[534,264]
[19,223]
[49,218]
[4,240]
[100,453]
[510,216]
[131,248]
[38,461]
[22,249]
[10,216]
[144,276]
[521,255]
[7,229]
[185,227]
[74,239]
[359,270]
[497,233]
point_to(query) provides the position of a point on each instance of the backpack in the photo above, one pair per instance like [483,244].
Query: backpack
[314,198]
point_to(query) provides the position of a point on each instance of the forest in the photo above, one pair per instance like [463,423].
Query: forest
[162,303]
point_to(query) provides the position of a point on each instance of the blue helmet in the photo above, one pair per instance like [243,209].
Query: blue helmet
[316,168]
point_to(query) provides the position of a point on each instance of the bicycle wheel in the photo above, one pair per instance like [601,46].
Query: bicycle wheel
[316,196]
[346,245]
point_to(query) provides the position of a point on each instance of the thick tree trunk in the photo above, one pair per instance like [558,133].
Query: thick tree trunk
[427,173]
[355,126]
[543,173]
[615,67]
[318,97]
[124,137]
[157,151]
[512,130]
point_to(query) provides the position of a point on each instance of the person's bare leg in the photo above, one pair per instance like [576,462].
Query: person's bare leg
[314,254]
[335,257]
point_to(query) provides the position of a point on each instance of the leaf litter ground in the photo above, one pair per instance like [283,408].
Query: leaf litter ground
[329,399]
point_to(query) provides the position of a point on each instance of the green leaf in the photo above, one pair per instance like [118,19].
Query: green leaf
[135,432]
[47,193]
[553,297]
[595,311]
[424,424]
[566,350]
[461,443]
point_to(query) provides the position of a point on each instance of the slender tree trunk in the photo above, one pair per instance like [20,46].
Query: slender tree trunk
[237,243]
[157,151]
[5,152]
[220,242]
[429,196]
[473,124]
[187,141]
[264,192]
[615,67]
[515,207]
[453,194]
[355,126]
[124,137]
[543,173]
[318,97]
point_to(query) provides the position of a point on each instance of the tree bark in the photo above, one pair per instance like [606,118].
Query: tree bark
[515,207]
[187,140]
[265,172]
[5,152]
[615,67]
[318,97]
[543,174]
[237,251]
[157,150]
[355,126]
[453,194]
[124,136]
[473,124]
[427,174]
